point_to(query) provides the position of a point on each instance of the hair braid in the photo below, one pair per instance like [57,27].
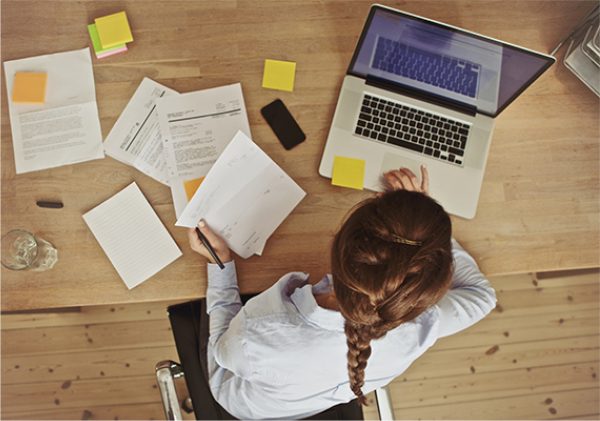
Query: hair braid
[358,339]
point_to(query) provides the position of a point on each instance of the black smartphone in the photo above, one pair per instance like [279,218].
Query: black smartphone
[283,124]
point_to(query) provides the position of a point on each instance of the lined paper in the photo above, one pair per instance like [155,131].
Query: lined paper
[132,236]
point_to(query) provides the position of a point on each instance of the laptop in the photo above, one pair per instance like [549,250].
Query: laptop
[418,92]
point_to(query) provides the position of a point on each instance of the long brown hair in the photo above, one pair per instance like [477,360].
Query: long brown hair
[391,260]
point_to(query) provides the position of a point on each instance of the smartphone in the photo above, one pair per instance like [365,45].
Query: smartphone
[283,124]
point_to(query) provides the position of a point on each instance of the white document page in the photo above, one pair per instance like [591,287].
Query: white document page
[196,128]
[244,197]
[132,236]
[66,128]
[136,139]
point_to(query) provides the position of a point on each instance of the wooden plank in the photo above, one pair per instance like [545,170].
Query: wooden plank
[485,386]
[492,358]
[84,365]
[50,340]
[531,281]
[534,406]
[498,329]
[81,393]
[88,315]
[145,411]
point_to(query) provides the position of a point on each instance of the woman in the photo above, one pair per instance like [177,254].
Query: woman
[399,282]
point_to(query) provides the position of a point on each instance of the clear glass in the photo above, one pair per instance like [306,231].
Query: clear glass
[21,250]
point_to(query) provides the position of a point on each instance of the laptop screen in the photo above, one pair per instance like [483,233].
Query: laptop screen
[437,59]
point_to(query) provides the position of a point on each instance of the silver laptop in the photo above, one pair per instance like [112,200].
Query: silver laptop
[419,91]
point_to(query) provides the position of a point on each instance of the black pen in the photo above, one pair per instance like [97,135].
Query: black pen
[210,248]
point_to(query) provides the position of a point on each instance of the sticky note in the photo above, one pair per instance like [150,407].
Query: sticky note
[113,30]
[102,52]
[279,75]
[191,186]
[29,87]
[348,172]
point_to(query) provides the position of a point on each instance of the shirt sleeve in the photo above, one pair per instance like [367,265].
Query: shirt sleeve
[470,298]
[222,298]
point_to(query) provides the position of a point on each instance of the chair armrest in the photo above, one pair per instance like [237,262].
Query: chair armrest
[384,404]
[166,373]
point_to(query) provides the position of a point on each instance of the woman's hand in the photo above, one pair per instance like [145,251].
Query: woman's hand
[405,179]
[215,241]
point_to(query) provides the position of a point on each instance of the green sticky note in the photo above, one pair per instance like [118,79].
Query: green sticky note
[96,41]
[279,75]
[348,172]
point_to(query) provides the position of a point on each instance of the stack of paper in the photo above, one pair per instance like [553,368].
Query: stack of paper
[110,34]
[176,138]
[244,197]
[130,233]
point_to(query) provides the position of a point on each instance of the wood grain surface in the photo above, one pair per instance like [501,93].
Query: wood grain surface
[539,202]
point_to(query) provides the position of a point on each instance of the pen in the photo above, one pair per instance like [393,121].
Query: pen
[210,249]
[48,204]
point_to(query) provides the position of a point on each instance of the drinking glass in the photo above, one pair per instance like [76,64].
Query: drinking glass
[21,250]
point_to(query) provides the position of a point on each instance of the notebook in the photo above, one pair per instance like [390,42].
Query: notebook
[132,236]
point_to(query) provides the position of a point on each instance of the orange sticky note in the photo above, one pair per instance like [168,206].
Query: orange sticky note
[348,172]
[191,186]
[29,87]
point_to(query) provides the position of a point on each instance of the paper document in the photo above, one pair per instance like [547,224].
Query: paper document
[196,128]
[130,233]
[244,197]
[136,139]
[65,129]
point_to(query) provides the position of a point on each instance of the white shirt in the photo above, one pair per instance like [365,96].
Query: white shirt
[283,356]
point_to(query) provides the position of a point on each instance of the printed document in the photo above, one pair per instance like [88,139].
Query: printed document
[196,128]
[65,129]
[132,236]
[244,197]
[136,139]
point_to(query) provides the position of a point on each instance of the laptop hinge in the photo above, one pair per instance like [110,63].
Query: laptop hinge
[421,95]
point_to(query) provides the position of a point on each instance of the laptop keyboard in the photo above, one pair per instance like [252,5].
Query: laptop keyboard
[450,73]
[397,124]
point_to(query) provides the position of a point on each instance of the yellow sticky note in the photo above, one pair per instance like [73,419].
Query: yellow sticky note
[191,186]
[279,75]
[29,87]
[348,172]
[113,30]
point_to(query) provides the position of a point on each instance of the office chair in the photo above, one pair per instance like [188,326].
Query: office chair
[189,323]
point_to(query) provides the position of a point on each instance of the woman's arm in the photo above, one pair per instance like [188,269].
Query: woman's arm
[470,298]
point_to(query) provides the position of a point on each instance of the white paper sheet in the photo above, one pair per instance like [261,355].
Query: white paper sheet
[66,128]
[136,139]
[244,197]
[132,236]
[196,128]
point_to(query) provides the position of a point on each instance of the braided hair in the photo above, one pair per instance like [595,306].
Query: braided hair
[391,260]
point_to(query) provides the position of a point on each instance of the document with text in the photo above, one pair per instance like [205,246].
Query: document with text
[244,197]
[196,127]
[65,128]
[136,139]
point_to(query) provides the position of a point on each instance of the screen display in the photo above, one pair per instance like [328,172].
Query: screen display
[434,58]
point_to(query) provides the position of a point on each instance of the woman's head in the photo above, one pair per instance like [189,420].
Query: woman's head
[391,260]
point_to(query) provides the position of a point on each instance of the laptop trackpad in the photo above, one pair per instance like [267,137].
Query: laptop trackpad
[393,162]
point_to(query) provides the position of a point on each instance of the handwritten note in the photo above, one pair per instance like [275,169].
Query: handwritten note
[244,197]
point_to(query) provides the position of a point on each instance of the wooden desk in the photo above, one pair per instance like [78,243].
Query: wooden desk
[539,204]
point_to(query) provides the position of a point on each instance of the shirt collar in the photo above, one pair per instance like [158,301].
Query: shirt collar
[303,299]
